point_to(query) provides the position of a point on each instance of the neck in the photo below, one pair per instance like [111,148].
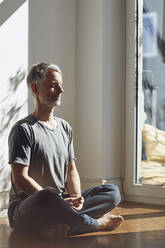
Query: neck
[43,113]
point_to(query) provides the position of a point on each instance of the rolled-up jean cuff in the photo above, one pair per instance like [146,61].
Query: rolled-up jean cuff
[89,225]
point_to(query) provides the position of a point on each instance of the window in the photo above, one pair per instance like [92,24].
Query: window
[145,100]
[152,164]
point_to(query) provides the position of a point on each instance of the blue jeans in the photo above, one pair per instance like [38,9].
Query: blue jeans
[46,208]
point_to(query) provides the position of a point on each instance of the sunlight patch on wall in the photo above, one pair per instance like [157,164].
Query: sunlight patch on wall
[14,93]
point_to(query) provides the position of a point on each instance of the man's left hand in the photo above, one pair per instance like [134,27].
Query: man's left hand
[75,201]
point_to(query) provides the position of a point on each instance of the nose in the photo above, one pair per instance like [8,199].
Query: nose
[60,89]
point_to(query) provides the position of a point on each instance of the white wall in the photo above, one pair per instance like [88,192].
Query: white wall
[85,38]
[52,27]
[113,89]
[100,91]
[13,64]
[89,88]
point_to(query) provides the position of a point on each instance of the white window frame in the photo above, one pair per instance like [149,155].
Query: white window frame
[133,191]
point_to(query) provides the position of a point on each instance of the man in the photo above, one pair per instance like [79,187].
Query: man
[43,167]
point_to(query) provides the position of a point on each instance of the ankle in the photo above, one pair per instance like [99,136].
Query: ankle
[101,224]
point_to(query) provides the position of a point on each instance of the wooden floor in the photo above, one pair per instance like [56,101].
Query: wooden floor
[144,227]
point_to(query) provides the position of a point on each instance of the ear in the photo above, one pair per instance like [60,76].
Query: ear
[34,88]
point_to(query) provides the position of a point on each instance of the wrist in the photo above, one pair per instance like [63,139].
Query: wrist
[75,195]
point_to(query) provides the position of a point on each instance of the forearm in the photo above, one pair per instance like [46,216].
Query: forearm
[73,181]
[28,185]
[22,179]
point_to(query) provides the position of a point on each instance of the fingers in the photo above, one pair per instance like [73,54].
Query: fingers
[78,208]
[76,202]
[75,199]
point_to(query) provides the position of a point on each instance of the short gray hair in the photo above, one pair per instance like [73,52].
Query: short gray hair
[38,71]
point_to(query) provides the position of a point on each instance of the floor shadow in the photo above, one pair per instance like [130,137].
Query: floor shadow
[146,239]
[17,240]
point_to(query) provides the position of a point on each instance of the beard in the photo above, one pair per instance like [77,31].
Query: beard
[57,103]
[49,102]
[52,104]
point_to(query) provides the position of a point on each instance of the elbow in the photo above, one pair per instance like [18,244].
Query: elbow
[18,181]
[71,167]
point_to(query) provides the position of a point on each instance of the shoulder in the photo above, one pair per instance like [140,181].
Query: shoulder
[64,124]
[23,127]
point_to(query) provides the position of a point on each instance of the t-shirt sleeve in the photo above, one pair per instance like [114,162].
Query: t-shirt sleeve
[20,144]
[71,148]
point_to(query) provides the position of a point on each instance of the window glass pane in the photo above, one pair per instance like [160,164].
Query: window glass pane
[151,168]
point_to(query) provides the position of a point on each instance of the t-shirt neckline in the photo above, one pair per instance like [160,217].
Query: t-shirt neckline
[45,125]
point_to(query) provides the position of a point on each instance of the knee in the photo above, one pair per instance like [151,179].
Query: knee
[46,196]
[114,194]
[117,196]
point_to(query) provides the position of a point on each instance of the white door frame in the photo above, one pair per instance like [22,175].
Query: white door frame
[133,191]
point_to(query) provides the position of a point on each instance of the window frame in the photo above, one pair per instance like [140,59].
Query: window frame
[134,191]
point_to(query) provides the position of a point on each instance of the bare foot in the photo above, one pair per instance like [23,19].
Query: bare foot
[58,231]
[109,222]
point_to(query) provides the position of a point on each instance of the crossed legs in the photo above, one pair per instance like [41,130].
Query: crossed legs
[47,208]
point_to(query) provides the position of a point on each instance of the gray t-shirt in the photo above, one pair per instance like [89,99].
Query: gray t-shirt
[45,150]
